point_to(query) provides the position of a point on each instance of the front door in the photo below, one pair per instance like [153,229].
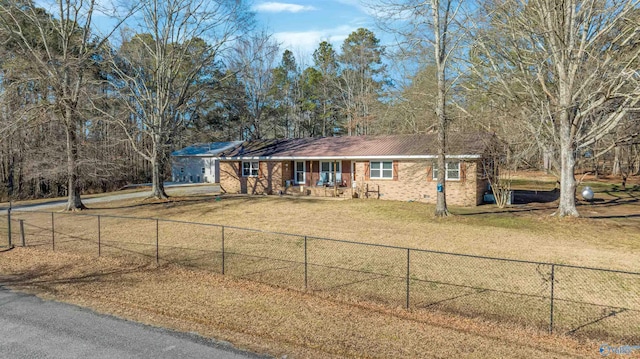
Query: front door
[300,170]
[330,171]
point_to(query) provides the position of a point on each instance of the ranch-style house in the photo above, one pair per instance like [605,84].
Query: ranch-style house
[394,167]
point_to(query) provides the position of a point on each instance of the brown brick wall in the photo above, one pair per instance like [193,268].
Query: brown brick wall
[229,176]
[414,184]
[482,184]
[288,170]
[270,178]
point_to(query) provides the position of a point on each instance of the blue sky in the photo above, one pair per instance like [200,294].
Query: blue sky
[300,25]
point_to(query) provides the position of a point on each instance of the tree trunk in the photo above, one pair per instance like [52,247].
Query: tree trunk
[440,52]
[615,169]
[441,198]
[157,171]
[441,194]
[636,160]
[157,189]
[567,205]
[324,110]
[74,202]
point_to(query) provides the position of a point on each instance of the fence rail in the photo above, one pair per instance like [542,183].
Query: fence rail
[592,302]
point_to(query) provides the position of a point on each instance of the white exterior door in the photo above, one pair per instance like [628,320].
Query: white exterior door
[300,172]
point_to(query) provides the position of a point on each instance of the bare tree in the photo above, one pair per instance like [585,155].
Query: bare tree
[159,70]
[254,60]
[429,27]
[572,67]
[59,48]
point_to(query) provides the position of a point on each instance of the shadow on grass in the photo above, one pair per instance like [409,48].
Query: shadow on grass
[524,201]
[43,276]
[181,205]
[438,302]
[47,277]
[606,315]
[531,201]
[509,210]
[616,188]
[170,202]
[617,199]
[621,216]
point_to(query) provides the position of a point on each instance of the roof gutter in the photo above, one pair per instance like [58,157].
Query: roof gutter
[216,156]
[386,157]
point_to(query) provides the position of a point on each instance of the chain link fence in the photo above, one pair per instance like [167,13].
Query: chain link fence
[590,302]
[5,241]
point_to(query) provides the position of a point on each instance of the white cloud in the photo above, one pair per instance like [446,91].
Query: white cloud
[369,7]
[306,42]
[282,7]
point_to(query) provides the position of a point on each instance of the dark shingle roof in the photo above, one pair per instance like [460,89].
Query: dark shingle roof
[458,144]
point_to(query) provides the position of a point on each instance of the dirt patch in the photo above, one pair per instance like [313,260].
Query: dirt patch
[270,320]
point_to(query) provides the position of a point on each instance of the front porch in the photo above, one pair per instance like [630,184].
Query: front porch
[319,173]
[319,191]
[364,191]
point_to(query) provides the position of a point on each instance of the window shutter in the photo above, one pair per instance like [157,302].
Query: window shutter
[367,171]
[240,169]
[395,170]
[260,169]
[430,173]
[463,171]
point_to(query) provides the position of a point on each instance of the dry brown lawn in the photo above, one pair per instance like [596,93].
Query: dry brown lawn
[269,320]
[442,286]
[608,237]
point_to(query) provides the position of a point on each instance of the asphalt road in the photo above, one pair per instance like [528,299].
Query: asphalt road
[171,189]
[35,328]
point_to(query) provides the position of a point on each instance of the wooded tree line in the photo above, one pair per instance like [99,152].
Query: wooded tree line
[91,110]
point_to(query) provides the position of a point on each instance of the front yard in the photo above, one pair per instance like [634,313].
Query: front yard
[608,236]
[592,304]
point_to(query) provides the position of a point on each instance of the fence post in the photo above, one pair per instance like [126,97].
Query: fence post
[305,262]
[22,233]
[553,270]
[157,241]
[408,268]
[9,225]
[99,237]
[223,250]
[53,233]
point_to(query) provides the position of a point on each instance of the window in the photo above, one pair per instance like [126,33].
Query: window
[250,169]
[202,170]
[181,169]
[300,169]
[452,173]
[326,172]
[381,170]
